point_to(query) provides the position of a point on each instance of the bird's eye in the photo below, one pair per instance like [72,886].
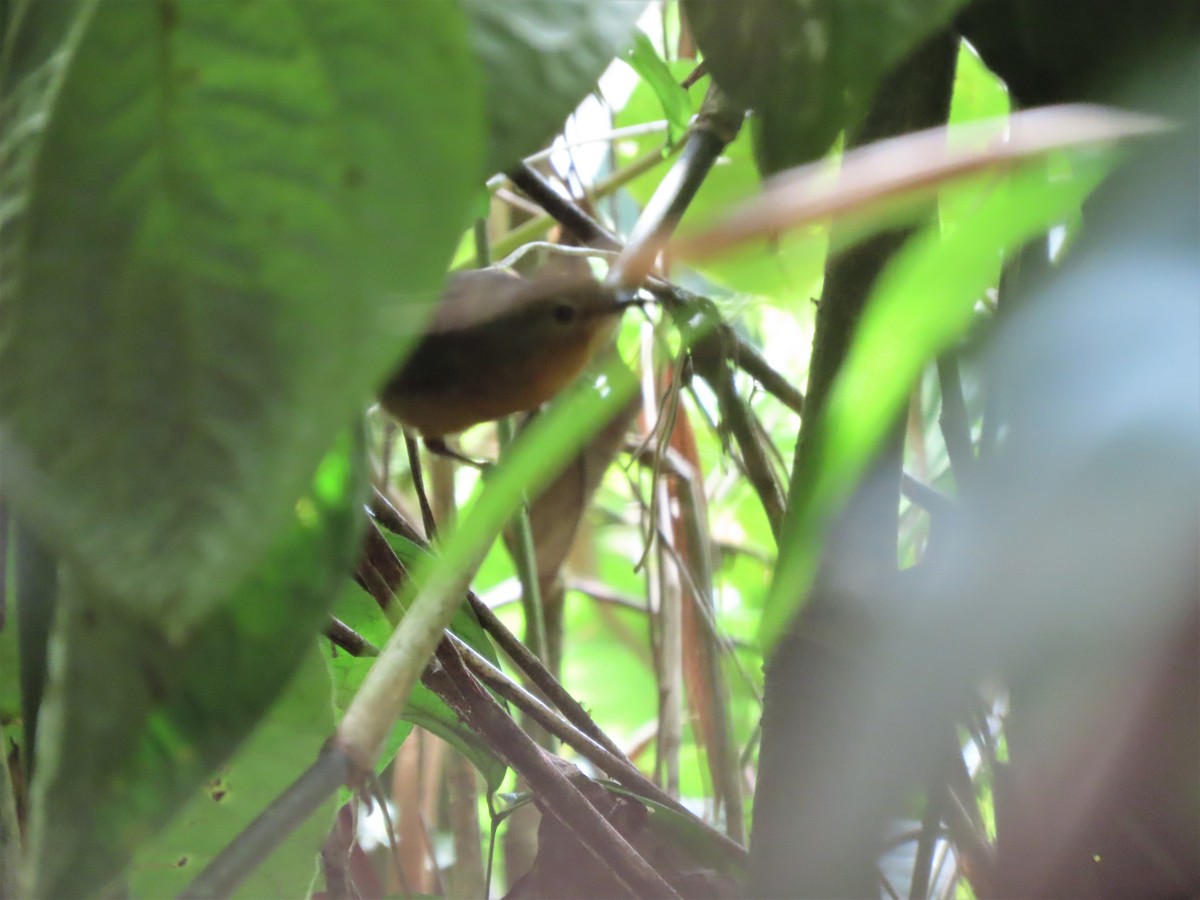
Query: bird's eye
[564,313]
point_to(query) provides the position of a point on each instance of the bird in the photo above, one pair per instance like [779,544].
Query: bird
[499,343]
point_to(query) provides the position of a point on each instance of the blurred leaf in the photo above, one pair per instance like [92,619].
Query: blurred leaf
[922,302]
[807,69]
[979,96]
[359,610]
[676,106]
[235,218]
[282,747]
[540,59]
[134,720]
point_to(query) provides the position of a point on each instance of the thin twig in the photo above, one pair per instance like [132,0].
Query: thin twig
[348,639]
[539,675]
[527,231]
[955,423]
[414,463]
[747,358]
[385,512]
[923,495]
[615,765]
[709,357]
[562,210]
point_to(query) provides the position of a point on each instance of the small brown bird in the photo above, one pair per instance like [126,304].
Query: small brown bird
[499,343]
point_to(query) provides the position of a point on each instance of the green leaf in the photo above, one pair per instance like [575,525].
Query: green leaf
[134,720]
[541,58]
[230,232]
[282,747]
[676,106]
[808,68]
[920,305]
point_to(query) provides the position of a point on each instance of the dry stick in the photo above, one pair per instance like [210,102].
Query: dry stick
[539,675]
[451,679]
[602,593]
[529,664]
[527,231]
[737,417]
[615,765]
[562,210]
[390,518]
[727,780]
[563,800]
[578,717]
[414,464]
[348,639]
[665,589]
[750,361]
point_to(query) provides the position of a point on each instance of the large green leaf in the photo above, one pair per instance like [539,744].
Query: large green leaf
[541,58]
[808,68]
[133,721]
[236,216]
[282,747]
[921,304]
